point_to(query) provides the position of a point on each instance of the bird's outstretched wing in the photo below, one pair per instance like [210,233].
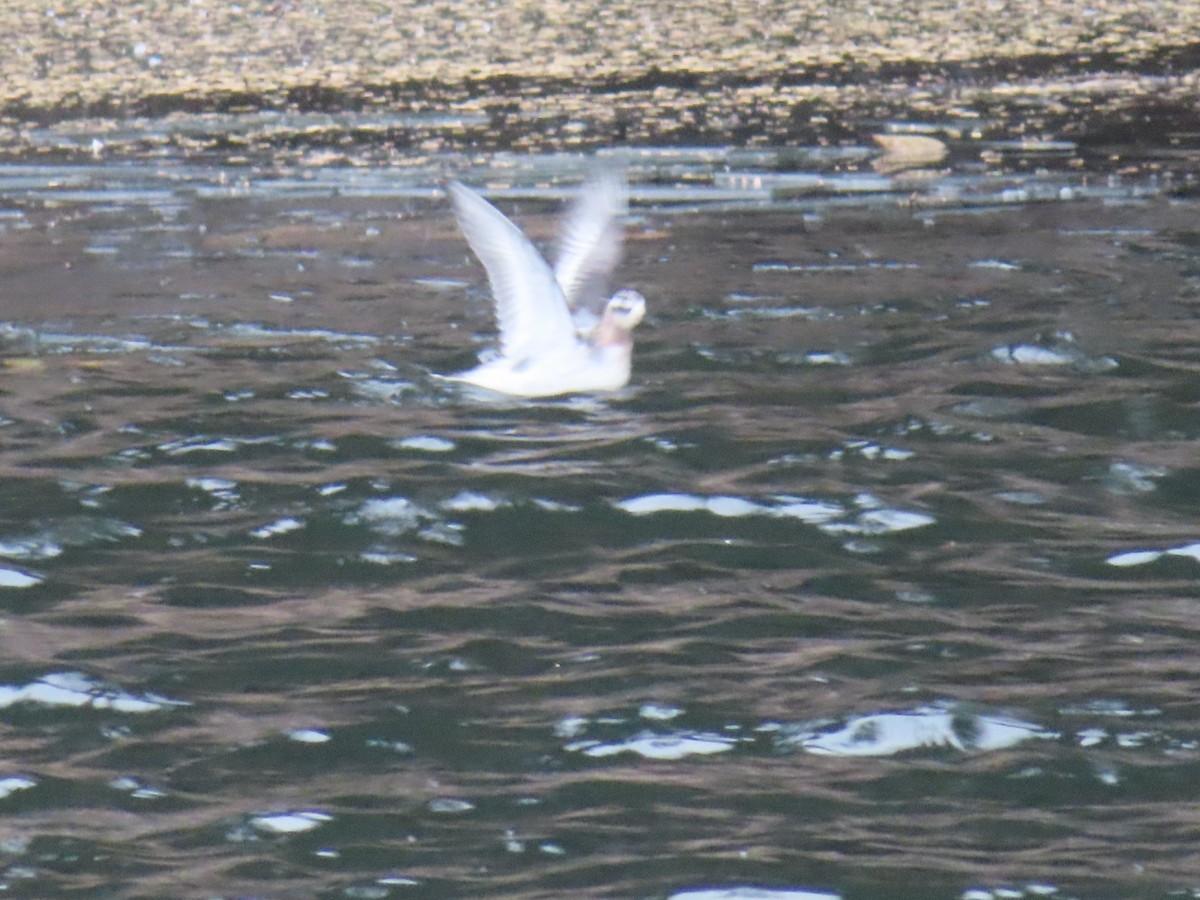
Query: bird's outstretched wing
[590,246]
[531,312]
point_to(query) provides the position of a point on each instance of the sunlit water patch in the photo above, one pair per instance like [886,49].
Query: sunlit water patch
[888,734]
[752,893]
[74,690]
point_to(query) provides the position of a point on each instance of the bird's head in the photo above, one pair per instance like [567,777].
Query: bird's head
[625,309]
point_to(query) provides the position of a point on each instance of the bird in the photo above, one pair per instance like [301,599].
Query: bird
[558,334]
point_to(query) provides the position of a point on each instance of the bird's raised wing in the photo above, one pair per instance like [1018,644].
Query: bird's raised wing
[530,310]
[590,246]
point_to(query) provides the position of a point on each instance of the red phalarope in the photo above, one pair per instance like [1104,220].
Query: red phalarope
[558,335]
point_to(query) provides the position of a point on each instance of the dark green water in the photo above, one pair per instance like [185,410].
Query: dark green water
[880,580]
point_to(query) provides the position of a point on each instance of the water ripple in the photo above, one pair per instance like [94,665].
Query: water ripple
[877,579]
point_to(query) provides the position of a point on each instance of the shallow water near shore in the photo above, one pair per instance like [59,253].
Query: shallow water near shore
[879,579]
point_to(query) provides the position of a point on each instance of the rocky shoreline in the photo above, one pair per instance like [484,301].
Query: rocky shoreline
[558,76]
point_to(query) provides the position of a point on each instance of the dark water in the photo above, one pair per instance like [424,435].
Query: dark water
[880,580]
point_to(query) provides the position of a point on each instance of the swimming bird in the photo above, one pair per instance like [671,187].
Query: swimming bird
[557,334]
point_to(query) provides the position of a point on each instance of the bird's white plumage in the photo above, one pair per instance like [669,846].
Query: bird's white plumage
[589,248]
[530,310]
[543,352]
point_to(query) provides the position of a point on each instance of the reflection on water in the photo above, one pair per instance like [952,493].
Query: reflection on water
[878,580]
[884,734]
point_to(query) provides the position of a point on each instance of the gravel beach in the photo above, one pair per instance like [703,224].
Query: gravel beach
[556,75]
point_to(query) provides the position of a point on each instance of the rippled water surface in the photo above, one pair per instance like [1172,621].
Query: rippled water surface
[879,580]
